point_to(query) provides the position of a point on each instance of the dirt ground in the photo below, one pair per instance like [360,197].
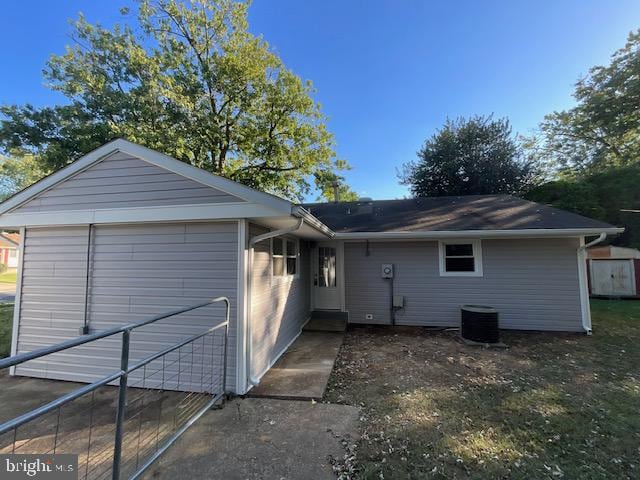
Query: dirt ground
[551,405]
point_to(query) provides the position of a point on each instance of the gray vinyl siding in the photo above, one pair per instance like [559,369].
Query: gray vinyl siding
[124,181]
[136,272]
[279,307]
[533,283]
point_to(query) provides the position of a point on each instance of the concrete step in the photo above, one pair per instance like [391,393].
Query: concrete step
[329,314]
[325,325]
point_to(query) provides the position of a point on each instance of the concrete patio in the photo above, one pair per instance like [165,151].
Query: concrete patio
[263,439]
[303,371]
[247,438]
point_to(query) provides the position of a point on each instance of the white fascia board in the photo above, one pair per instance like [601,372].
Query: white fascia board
[155,158]
[170,213]
[436,235]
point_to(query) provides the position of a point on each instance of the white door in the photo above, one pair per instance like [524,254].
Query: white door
[325,261]
[612,277]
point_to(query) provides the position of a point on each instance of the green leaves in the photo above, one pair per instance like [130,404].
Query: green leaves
[470,157]
[18,173]
[187,79]
[603,129]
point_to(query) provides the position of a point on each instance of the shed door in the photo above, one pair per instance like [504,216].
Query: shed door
[612,277]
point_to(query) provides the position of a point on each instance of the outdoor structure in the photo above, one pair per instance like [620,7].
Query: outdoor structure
[614,271]
[126,232]
[9,254]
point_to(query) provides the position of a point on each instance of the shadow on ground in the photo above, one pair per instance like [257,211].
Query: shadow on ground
[549,406]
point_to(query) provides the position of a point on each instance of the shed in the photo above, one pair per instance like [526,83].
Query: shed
[614,271]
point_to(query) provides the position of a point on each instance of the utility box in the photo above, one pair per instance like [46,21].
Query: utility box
[387,270]
[398,301]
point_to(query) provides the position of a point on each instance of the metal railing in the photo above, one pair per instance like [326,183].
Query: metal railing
[186,411]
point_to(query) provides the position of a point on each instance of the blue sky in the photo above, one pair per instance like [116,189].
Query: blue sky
[388,73]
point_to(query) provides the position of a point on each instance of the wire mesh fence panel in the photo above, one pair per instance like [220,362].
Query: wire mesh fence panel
[102,423]
[168,393]
[84,426]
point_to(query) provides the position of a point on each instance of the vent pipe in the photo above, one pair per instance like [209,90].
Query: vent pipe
[336,191]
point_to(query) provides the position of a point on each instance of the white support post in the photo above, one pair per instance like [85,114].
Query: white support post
[17,302]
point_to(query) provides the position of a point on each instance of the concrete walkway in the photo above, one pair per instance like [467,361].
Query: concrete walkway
[260,438]
[303,371]
[251,438]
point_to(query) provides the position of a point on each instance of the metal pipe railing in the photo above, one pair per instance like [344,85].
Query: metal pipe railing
[122,375]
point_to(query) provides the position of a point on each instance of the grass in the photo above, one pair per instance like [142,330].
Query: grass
[550,406]
[8,277]
[6,321]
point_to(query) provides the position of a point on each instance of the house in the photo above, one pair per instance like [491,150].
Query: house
[126,232]
[9,244]
[613,271]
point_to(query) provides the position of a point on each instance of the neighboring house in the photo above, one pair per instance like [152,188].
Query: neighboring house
[9,249]
[151,233]
[613,271]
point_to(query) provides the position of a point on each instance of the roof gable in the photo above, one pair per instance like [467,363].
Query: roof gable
[9,240]
[122,180]
[157,159]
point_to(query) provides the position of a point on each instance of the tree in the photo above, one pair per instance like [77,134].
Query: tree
[611,195]
[327,191]
[18,172]
[603,129]
[188,80]
[470,157]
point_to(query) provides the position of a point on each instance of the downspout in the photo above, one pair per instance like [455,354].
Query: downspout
[584,289]
[252,242]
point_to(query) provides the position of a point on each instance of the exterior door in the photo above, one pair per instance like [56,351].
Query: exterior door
[612,277]
[327,283]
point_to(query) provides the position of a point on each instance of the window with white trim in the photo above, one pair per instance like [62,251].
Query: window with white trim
[461,258]
[13,253]
[284,255]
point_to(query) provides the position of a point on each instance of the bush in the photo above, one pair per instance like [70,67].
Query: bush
[3,268]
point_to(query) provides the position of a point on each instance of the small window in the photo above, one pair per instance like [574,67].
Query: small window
[460,258]
[284,254]
[278,257]
[13,253]
[292,257]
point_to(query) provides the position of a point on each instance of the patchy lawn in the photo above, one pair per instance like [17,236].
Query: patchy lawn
[6,321]
[549,406]
[8,277]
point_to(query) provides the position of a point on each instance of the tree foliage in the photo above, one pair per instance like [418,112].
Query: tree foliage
[603,129]
[611,195]
[18,172]
[188,80]
[469,157]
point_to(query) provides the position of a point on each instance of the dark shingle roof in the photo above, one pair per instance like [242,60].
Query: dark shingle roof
[473,212]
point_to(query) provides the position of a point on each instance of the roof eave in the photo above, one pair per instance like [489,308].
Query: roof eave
[301,212]
[442,234]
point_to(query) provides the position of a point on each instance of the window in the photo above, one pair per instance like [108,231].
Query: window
[463,258]
[326,267]
[13,253]
[292,257]
[284,253]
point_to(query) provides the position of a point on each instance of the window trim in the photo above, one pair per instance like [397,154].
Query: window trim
[477,258]
[285,254]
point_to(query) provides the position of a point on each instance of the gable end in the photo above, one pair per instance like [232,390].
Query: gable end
[121,180]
